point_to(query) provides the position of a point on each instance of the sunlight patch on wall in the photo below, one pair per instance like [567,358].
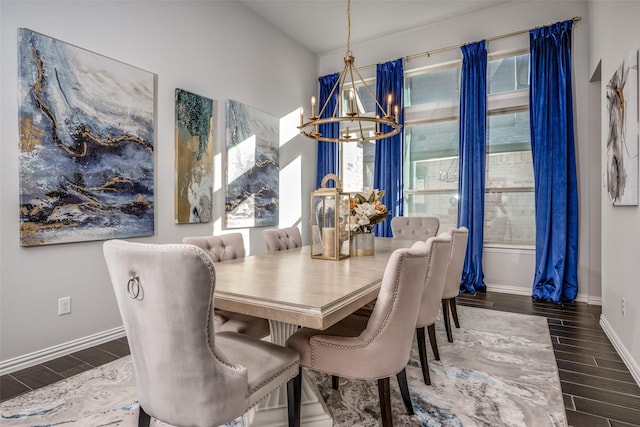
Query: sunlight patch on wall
[289,126]
[217,176]
[291,193]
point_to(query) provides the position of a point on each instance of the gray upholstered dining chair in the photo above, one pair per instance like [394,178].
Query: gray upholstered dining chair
[379,346]
[414,227]
[187,375]
[223,248]
[459,240]
[280,239]
[219,248]
[409,228]
[431,297]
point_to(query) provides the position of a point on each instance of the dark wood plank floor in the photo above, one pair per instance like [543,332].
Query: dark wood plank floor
[37,376]
[598,389]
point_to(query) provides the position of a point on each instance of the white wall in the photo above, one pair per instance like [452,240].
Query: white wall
[506,270]
[615,32]
[222,50]
[219,50]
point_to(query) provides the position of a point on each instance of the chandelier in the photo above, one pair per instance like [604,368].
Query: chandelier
[354,126]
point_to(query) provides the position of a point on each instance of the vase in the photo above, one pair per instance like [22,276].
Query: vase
[362,244]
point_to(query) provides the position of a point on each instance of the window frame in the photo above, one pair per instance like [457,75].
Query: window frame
[498,103]
[505,103]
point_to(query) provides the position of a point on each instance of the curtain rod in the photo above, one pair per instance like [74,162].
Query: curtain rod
[458,46]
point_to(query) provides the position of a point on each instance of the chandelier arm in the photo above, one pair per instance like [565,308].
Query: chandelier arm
[361,130]
[356,113]
[341,80]
[384,113]
[353,88]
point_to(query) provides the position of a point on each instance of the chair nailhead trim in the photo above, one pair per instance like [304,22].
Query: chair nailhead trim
[316,339]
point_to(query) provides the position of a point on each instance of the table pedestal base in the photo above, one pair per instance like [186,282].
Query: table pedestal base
[272,411]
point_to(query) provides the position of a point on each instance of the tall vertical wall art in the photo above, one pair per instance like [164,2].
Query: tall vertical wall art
[194,157]
[252,172]
[622,141]
[86,144]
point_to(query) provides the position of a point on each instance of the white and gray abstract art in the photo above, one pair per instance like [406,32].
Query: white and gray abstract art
[623,136]
[252,173]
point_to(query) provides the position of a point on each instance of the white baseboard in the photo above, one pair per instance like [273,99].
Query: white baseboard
[37,357]
[509,289]
[594,300]
[620,348]
[519,290]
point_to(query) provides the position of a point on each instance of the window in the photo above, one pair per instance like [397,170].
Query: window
[431,171]
[431,143]
[434,86]
[431,149]
[509,199]
[357,165]
[508,74]
[357,157]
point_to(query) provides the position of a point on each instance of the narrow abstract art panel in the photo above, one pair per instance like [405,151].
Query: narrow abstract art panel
[622,140]
[194,157]
[252,173]
[86,144]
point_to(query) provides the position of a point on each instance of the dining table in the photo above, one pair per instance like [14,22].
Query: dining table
[292,289]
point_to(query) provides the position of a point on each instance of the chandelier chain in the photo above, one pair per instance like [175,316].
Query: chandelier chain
[348,26]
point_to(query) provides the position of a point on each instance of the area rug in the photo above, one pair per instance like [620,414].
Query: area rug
[499,371]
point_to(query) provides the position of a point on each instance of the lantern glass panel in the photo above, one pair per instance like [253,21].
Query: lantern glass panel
[329,224]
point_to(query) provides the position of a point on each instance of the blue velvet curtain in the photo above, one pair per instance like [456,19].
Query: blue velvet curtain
[328,152]
[388,173]
[471,183]
[554,164]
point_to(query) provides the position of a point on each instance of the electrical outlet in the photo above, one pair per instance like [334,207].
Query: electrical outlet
[622,306]
[64,306]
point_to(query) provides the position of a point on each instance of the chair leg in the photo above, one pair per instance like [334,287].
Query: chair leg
[294,397]
[447,319]
[384,392]
[433,341]
[144,420]
[422,350]
[335,382]
[454,312]
[404,390]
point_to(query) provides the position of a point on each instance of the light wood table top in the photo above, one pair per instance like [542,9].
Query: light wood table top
[290,286]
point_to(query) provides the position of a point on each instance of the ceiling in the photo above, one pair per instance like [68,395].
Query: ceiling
[321,25]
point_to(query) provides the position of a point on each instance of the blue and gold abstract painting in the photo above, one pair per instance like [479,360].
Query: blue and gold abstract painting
[252,178]
[194,157]
[86,144]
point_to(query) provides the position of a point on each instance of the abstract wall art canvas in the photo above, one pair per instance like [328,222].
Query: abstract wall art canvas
[86,144]
[194,157]
[252,172]
[622,140]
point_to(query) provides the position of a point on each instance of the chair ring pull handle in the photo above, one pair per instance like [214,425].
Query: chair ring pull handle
[133,286]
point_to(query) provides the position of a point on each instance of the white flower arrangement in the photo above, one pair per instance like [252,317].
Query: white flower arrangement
[366,210]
